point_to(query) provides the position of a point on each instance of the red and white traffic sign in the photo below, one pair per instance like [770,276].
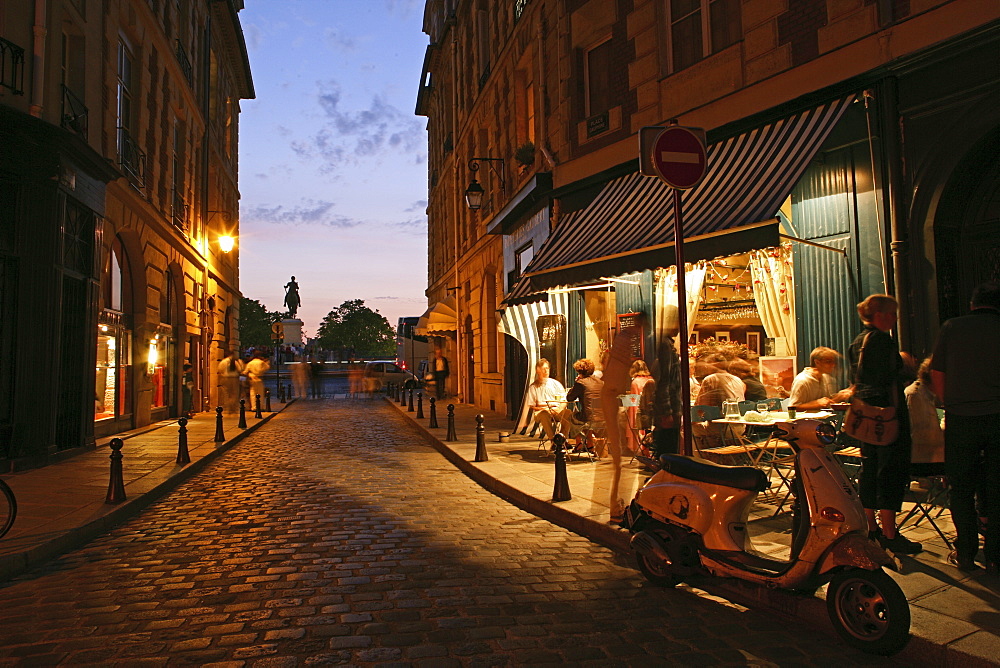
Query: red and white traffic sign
[679,157]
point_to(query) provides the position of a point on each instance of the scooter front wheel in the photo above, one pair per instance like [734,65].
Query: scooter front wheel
[869,611]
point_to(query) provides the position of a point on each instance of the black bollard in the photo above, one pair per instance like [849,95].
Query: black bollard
[220,434]
[481,455]
[420,405]
[288,391]
[281,393]
[409,407]
[267,400]
[451,424]
[560,492]
[387,390]
[116,485]
[183,456]
[242,424]
[257,413]
[402,395]
[434,414]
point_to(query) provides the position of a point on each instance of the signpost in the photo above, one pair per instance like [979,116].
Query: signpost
[677,155]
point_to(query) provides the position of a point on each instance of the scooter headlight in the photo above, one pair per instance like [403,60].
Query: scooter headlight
[825,433]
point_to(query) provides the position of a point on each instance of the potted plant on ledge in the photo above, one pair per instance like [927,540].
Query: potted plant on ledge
[525,157]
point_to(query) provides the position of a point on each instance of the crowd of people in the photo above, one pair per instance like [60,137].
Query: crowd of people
[961,377]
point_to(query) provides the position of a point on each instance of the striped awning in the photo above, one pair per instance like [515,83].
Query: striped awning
[629,225]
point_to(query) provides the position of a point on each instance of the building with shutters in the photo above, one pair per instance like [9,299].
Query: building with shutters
[851,150]
[118,202]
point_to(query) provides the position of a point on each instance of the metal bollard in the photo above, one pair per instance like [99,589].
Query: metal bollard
[560,491]
[257,413]
[116,485]
[420,405]
[267,400]
[434,414]
[402,395]
[409,408]
[220,434]
[481,455]
[451,424]
[242,424]
[281,393]
[183,456]
[387,390]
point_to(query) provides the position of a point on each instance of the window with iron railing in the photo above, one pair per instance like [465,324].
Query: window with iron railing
[131,158]
[74,113]
[11,67]
[185,63]
[179,211]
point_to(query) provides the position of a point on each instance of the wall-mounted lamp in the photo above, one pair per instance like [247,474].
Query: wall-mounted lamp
[154,355]
[474,193]
[226,242]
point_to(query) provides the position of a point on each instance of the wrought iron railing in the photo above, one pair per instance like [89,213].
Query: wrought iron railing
[519,6]
[131,158]
[74,113]
[179,211]
[11,66]
[185,64]
[484,77]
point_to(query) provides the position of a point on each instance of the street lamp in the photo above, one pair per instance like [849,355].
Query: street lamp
[226,242]
[474,193]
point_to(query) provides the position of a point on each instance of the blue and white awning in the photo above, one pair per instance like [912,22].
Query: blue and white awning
[629,226]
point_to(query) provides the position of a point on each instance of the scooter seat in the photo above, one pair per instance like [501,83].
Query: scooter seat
[695,468]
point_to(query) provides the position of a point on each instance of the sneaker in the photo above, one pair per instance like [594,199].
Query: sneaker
[964,564]
[900,545]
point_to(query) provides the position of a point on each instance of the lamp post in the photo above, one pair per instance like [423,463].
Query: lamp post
[474,193]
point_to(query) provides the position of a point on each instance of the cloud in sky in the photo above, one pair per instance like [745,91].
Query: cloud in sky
[310,212]
[420,205]
[350,135]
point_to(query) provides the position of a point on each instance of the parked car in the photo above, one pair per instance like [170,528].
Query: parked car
[385,372]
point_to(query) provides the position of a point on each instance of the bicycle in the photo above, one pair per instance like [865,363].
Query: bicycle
[8,508]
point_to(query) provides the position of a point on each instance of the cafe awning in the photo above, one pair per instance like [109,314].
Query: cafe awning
[629,226]
[442,318]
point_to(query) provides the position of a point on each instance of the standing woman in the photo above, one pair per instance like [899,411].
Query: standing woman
[879,379]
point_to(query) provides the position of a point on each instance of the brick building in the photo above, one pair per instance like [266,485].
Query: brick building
[118,197]
[849,146]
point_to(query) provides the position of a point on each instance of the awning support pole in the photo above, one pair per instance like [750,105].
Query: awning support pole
[682,325]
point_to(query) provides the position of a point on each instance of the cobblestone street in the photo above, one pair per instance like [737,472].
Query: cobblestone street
[335,535]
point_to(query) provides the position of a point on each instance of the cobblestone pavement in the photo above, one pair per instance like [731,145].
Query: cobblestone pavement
[335,536]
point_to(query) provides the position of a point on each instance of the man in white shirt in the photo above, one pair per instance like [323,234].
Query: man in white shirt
[815,388]
[546,399]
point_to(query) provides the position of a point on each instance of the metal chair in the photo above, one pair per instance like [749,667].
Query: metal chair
[925,500]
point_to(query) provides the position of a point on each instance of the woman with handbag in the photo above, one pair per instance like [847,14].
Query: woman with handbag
[878,374]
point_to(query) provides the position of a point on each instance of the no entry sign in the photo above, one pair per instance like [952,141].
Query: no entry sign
[679,157]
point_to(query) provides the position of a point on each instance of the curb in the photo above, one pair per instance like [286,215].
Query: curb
[17,563]
[784,604]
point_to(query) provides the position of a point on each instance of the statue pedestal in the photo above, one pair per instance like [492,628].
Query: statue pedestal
[293,331]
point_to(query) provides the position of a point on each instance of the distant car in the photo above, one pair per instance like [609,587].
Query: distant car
[386,372]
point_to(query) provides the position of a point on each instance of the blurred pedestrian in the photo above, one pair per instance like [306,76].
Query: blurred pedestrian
[256,369]
[187,391]
[965,370]
[315,381]
[230,368]
[441,372]
[300,378]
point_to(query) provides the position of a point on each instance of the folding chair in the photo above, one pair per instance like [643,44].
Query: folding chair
[924,501]
[707,414]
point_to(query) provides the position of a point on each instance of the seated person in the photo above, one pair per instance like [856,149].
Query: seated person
[715,388]
[587,389]
[546,399]
[753,389]
[927,448]
[814,388]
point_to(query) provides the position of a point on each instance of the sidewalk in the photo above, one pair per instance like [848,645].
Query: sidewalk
[955,616]
[61,506]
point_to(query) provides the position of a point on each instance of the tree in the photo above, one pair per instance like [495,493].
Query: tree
[255,323]
[353,325]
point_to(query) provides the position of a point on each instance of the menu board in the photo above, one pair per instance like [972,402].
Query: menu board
[634,320]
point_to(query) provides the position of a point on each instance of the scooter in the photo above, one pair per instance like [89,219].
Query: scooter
[690,518]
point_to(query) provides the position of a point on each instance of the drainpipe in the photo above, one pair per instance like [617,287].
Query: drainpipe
[543,107]
[891,131]
[40,30]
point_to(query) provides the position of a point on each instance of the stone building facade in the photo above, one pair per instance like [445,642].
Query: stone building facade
[118,200]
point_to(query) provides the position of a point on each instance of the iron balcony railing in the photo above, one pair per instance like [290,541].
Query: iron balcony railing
[11,66]
[74,113]
[179,211]
[185,64]
[131,158]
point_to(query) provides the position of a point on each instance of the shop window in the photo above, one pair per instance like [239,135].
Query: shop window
[551,330]
[157,366]
[699,28]
[111,398]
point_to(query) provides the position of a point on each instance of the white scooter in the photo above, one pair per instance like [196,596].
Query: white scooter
[691,518]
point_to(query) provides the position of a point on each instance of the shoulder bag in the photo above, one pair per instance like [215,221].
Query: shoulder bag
[871,424]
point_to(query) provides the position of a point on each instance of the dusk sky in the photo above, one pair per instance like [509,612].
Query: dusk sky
[333,172]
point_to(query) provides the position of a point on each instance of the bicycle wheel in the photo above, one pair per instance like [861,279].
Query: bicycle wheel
[8,508]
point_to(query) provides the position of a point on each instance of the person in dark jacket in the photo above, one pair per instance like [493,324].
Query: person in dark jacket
[879,380]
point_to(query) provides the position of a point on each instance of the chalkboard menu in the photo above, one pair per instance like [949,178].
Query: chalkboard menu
[634,320]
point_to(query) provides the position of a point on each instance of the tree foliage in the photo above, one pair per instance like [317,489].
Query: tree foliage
[353,325]
[255,323]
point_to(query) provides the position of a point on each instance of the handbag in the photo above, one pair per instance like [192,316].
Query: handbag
[874,425]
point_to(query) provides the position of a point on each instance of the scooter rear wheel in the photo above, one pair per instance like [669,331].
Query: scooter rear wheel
[658,573]
[869,611]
